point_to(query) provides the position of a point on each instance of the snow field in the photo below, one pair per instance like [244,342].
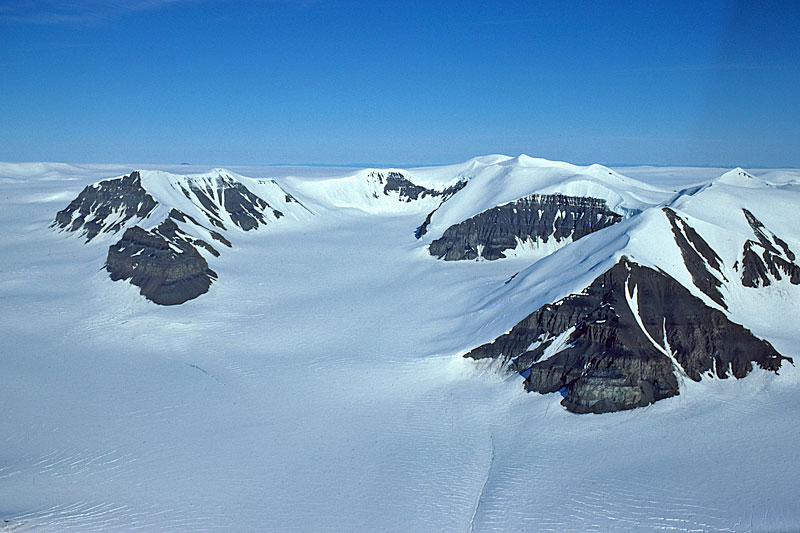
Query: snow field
[318,386]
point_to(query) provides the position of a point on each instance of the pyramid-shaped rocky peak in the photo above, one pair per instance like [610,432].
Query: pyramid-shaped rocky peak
[625,341]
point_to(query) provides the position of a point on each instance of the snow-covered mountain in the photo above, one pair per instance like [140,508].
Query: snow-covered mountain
[377,191]
[172,225]
[661,297]
[521,204]
[662,281]
[328,350]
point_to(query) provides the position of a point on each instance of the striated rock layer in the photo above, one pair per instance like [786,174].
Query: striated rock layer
[621,343]
[163,262]
[224,194]
[535,217]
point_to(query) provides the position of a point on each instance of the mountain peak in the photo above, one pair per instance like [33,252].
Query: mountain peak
[219,171]
[740,178]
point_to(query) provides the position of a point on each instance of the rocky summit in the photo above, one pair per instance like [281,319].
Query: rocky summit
[624,341]
[167,256]
[408,191]
[106,207]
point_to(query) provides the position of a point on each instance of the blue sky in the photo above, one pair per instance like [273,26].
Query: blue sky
[315,81]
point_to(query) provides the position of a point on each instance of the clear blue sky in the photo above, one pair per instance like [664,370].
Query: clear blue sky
[315,81]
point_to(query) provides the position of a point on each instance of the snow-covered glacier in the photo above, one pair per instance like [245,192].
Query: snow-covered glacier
[318,380]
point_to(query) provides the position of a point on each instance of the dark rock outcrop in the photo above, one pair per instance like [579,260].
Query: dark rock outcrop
[180,216]
[618,344]
[397,182]
[166,262]
[106,207]
[244,208]
[163,262]
[775,257]
[698,256]
[409,191]
[538,217]
[446,195]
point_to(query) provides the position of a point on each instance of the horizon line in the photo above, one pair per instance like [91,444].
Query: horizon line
[401,165]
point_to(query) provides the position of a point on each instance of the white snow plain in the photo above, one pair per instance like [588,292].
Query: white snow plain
[319,385]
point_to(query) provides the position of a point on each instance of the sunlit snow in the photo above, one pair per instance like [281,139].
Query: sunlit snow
[319,384]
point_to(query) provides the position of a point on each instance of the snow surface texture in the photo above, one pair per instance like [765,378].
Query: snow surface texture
[320,385]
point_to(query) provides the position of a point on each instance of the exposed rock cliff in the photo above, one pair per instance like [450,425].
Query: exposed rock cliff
[775,257]
[621,342]
[535,217]
[106,207]
[225,195]
[163,262]
[446,194]
[407,190]
[698,257]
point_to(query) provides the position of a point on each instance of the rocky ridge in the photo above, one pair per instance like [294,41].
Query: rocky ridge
[622,342]
[223,194]
[634,332]
[408,191]
[169,261]
[535,218]
[698,257]
[164,262]
[106,207]
[776,258]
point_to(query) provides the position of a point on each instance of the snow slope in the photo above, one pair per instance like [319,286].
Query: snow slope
[496,180]
[715,211]
[371,191]
[212,199]
[319,386]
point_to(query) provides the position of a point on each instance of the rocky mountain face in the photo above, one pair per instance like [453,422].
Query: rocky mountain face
[768,258]
[446,194]
[106,207]
[407,190]
[168,258]
[169,261]
[163,262]
[223,194]
[700,259]
[622,342]
[536,218]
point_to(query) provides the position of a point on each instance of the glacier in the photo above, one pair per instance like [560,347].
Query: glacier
[320,383]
